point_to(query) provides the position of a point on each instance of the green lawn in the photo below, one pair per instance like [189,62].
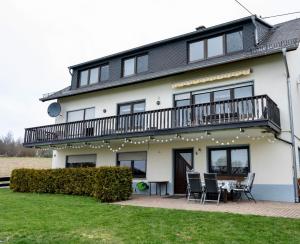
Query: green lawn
[34,218]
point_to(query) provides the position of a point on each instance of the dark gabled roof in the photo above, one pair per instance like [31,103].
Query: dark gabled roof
[283,35]
[168,40]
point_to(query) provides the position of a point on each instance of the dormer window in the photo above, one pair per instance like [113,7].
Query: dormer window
[215,46]
[94,75]
[234,41]
[84,77]
[142,64]
[135,65]
[196,51]
[104,72]
[129,67]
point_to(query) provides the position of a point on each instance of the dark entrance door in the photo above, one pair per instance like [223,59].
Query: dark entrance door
[183,160]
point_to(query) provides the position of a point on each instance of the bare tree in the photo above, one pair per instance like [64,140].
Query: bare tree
[14,148]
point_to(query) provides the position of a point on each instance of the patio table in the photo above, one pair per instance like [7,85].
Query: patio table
[227,186]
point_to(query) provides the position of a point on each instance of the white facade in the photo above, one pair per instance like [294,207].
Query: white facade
[270,160]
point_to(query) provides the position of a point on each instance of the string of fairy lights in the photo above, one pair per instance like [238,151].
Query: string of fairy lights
[208,136]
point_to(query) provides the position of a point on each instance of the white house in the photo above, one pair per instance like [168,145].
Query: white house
[222,99]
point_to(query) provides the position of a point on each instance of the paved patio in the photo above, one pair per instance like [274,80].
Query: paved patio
[263,208]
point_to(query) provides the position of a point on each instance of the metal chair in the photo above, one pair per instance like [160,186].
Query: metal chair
[246,189]
[194,186]
[211,186]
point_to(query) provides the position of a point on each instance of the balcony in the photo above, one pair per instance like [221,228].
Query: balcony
[256,111]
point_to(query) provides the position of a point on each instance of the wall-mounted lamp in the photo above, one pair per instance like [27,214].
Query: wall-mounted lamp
[158,101]
[104,110]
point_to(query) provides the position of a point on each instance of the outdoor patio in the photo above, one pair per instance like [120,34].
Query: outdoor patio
[263,208]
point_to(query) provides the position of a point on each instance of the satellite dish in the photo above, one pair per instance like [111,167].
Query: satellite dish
[54,109]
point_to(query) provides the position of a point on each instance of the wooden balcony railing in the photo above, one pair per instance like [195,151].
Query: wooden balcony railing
[235,112]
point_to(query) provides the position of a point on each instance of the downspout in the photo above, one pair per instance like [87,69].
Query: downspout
[291,117]
[255,29]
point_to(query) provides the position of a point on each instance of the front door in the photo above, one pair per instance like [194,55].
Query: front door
[183,160]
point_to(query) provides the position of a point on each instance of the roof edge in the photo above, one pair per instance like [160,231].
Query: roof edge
[170,40]
[167,75]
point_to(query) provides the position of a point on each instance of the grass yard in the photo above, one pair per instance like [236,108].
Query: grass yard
[44,218]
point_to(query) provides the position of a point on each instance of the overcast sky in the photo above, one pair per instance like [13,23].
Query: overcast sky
[40,39]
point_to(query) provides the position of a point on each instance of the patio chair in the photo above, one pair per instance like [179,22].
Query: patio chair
[246,189]
[211,186]
[194,186]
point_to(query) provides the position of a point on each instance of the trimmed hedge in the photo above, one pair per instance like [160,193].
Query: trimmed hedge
[108,184]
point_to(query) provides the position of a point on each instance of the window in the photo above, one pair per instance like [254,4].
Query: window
[196,51]
[221,96]
[184,115]
[84,75]
[78,161]
[240,92]
[234,41]
[131,107]
[104,74]
[218,161]
[142,63]
[134,121]
[94,75]
[201,98]
[82,114]
[244,107]
[213,95]
[215,46]
[136,161]
[229,161]
[135,65]
[182,99]
[128,67]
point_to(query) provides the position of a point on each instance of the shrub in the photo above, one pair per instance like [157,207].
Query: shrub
[108,184]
